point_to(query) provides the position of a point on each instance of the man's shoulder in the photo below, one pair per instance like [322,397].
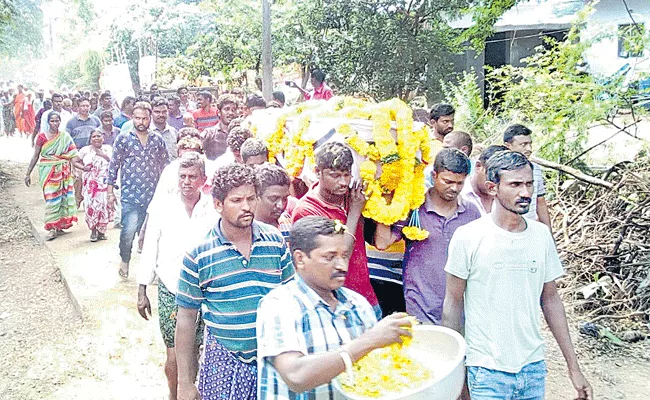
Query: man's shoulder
[475,228]
[289,292]
[470,208]
[307,205]
[269,232]
[355,298]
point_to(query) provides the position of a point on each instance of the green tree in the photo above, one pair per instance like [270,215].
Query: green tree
[162,28]
[380,48]
[20,29]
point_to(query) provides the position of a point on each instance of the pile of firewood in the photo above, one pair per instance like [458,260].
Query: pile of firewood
[603,236]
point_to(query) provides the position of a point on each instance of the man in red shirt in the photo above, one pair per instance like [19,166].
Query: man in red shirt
[206,115]
[321,90]
[333,198]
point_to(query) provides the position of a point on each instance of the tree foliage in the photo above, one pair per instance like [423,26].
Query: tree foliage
[20,28]
[82,72]
[165,28]
[381,48]
[549,93]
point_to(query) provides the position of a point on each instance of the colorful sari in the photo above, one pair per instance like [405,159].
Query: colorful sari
[55,175]
[95,194]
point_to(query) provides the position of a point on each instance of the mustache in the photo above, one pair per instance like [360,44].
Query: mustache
[524,200]
[339,275]
[247,215]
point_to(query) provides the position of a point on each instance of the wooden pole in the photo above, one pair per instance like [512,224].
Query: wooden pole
[267,58]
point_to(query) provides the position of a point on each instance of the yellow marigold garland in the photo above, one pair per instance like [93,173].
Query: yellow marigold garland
[402,171]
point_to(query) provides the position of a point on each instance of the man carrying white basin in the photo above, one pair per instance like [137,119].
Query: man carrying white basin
[311,329]
[501,269]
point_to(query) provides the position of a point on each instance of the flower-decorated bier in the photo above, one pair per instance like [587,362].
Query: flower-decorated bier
[391,150]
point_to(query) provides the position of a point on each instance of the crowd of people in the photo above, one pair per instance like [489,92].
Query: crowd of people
[270,289]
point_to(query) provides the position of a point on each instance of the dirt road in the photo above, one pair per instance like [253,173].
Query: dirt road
[53,353]
[107,351]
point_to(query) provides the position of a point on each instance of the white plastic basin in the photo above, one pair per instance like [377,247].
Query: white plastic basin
[440,349]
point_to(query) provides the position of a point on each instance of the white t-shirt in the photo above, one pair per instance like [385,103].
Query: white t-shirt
[505,274]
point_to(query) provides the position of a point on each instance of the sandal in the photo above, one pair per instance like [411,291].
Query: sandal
[51,235]
[93,235]
[124,272]
[101,236]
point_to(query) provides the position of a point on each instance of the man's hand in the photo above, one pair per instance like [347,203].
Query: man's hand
[144,305]
[585,392]
[389,330]
[357,197]
[111,200]
[187,391]
[28,180]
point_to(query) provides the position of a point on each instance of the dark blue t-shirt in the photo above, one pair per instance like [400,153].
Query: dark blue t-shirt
[80,130]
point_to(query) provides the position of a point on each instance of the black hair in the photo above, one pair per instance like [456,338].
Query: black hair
[271,175]
[178,91]
[253,147]
[83,99]
[206,94]
[142,105]
[172,98]
[128,100]
[255,101]
[225,99]
[236,137]
[515,130]
[505,161]
[305,232]
[334,155]
[452,160]
[279,96]
[441,110]
[490,151]
[47,104]
[52,114]
[104,96]
[464,139]
[318,75]
[159,101]
[105,114]
[59,95]
[230,177]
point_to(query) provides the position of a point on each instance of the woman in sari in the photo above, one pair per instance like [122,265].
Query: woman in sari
[96,158]
[54,151]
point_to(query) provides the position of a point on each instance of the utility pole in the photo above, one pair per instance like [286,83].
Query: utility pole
[267,59]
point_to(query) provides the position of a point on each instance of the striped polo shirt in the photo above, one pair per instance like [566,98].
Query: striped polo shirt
[205,119]
[217,278]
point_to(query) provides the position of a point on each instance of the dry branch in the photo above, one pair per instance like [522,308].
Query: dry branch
[573,172]
[603,238]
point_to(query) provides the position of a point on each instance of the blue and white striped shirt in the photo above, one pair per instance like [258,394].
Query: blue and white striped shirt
[294,317]
[217,278]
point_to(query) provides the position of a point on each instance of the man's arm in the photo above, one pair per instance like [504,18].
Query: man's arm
[555,316]
[357,203]
[452,309]
[147,265]
[542,212]
[305,372]
[186,353]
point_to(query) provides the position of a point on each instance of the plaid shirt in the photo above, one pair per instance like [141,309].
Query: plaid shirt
[294,318]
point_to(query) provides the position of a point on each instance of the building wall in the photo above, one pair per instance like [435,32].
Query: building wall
[603,56]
